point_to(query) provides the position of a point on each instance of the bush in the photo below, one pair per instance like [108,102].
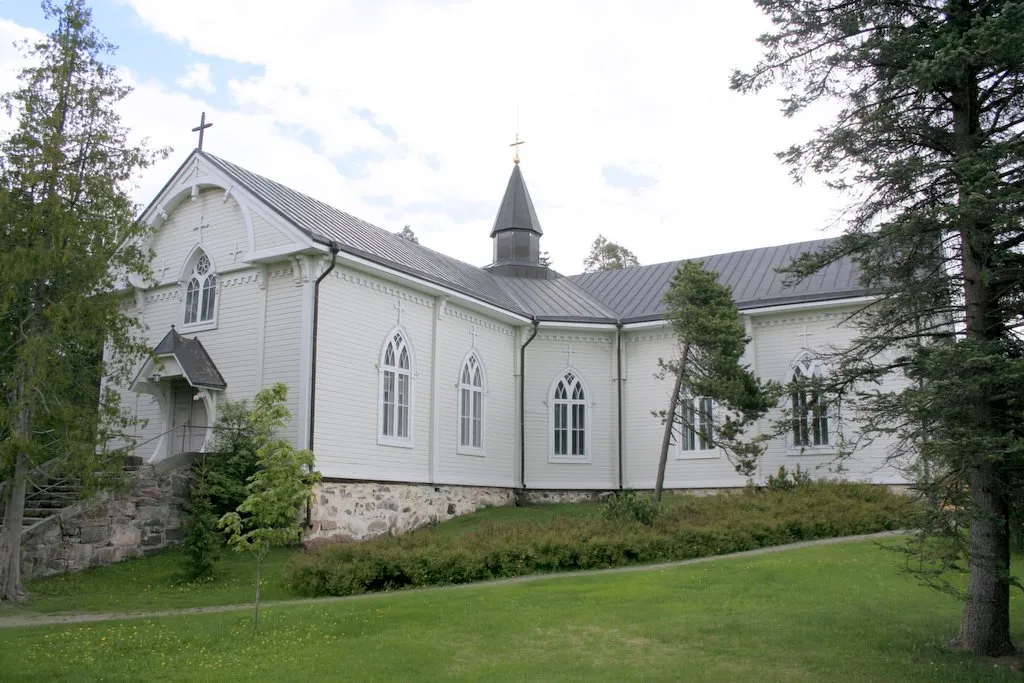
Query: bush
[629,505]
[784,481]
[685,527]
[218,487]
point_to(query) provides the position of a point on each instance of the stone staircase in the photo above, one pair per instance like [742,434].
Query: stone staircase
[48,494]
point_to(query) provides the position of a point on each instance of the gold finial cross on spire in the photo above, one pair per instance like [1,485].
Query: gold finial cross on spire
[516,144]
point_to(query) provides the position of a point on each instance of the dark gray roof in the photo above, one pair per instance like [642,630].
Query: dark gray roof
[629,295]
[557,299]
[637,294]
[516,210]
[193,359]
[327,224]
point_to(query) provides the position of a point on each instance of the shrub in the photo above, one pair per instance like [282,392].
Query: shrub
[219,486]
[629,505]
[784,481]
[685,527]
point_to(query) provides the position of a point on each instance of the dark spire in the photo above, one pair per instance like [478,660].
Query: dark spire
[516,211]
[516,233]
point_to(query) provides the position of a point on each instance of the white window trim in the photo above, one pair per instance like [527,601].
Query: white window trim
[588,431]
[183,278]
[714,453]
[814,369]
[386,439]
[459,448]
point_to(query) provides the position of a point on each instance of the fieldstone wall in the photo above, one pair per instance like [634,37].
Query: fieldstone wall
[113,526]
[354,511]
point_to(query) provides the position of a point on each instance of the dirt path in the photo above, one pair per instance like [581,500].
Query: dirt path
[80,617]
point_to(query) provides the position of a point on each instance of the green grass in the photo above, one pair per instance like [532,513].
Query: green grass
[832,613]
[150,583]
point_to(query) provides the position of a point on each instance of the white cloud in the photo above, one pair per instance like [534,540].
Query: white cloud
[197,76]
[643,86]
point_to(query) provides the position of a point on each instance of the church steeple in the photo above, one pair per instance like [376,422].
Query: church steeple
[516,232]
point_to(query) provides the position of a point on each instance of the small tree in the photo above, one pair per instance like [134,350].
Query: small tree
[406,233]
[605,255]
[711,340]
[283,485]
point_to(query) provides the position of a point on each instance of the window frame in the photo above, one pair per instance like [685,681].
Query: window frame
[383,369]
[186,278]
[708,450]
[577,383]
[460,388]
[807,365]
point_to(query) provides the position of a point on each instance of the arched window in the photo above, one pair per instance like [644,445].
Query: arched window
[201,292]
[569,418]
[471,406]
[696,430]
[810,421]
[396,390]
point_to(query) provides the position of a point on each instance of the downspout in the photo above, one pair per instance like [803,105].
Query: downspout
[618,387]
[522,405]
[312,371]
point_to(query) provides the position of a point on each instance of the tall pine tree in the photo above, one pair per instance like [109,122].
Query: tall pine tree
[69,242]
[930,140]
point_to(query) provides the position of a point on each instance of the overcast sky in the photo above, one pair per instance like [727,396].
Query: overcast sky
[401,112]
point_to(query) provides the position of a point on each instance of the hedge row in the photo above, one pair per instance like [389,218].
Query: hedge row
[685,527]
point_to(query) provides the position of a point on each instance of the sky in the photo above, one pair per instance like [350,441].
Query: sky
[401,112]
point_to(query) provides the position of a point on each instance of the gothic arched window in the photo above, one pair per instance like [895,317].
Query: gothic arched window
[569,417]
[471,406]
[810,421]
[396,391]
[201,292]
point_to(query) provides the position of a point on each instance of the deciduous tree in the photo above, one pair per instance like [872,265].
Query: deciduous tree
[929,140]
[68,241]
[605,255]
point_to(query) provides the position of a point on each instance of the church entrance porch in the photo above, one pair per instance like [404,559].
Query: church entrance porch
[189,423]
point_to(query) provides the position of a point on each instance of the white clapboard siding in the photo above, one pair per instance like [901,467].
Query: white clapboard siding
[593,358]
[265,235]
[495,347]
[357,314]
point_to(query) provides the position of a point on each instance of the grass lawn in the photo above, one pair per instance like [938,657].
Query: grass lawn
[832,613]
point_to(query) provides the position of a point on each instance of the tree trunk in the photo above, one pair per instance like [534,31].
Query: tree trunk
[670,423]
[11,588]
[259,567]
[985,627]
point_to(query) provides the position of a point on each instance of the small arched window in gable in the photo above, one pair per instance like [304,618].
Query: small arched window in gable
[201,292]
[471,405]
[810,421]
[396,389]
[569,421]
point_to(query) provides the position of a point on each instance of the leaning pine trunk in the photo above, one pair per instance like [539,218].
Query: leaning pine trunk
[670,423]
[10,541]
[985,627]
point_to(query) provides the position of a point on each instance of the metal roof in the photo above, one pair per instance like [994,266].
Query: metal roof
[637,294]
[357,237]
[516,209]
[192,358]
[628,295]
[557,299]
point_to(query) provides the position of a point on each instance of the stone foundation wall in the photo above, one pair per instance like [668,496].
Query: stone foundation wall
[111,527]
[354,511]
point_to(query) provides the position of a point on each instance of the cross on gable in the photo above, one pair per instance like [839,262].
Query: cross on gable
[805,334]
[200,228]
[238,250]
[161,270]
[400,309]
[203,125]
[473,333]
[568,352]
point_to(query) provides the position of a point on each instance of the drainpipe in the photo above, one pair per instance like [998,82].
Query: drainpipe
[618,386]
[312,371]
[522,404]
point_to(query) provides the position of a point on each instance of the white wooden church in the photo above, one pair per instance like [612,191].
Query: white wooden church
[426,386]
